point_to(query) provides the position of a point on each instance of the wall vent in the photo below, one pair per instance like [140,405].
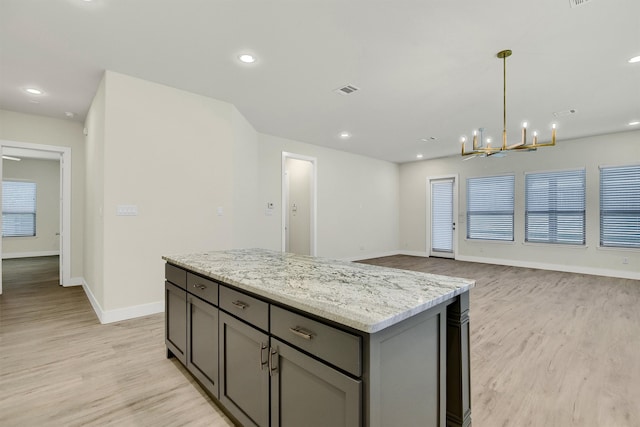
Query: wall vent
[576,3]
[346,90]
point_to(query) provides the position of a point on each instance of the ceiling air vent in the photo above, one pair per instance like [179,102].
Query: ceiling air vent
[346,90]
[576,3]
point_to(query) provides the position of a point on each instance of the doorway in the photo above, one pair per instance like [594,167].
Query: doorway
[298,204]
[63,156]
[443,207]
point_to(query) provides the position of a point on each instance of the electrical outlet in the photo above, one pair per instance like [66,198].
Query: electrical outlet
[625,260]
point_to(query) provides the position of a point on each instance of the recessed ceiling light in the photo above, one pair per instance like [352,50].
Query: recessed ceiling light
[634,60]
[247,59]
[33,91]
[345,135]
[635,122]
[69,114]
[419,156]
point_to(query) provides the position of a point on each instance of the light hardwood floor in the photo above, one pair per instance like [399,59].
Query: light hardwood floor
[547,349]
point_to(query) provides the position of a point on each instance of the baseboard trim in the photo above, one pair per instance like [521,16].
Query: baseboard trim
[120,314]
[554,267]
[371,255]
[74,281]
[11,255]
[414,253]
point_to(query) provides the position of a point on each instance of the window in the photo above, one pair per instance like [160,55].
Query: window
[490,208]
[555,207]
[18,209]
[620,206]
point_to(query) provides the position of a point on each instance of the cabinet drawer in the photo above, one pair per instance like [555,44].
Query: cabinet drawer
[337,347]
[175,275]
[203,288]
[249,309]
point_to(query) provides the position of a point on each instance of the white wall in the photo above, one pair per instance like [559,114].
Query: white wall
[357,211]
[94,200]
[59,132]
[46,175]
[168,152]
[589,153]
[247,206]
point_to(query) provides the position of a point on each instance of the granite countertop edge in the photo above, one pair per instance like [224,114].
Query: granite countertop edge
[365,325]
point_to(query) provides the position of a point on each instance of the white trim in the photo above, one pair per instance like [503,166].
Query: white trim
[119,314]
[28,254]
[371,255]
[74,281]
[314,199]
[415,253]
[92,300]
[555,267]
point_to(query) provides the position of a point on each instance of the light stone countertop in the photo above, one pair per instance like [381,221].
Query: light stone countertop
[364,297]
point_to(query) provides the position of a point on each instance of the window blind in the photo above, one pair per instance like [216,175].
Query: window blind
[555,207]
[620,206]
[18,209]
[490,207]
[442,216]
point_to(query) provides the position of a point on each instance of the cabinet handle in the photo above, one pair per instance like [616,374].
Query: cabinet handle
[241,305]
[302,333]
[272,367]
[200,286]
[263,362]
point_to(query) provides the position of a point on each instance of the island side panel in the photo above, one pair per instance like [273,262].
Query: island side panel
[458,371]
[405,371]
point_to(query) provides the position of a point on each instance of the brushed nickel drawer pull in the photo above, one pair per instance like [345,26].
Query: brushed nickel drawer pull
[263,362]
[307,335]
[241,305]
[273,368]
[200,286]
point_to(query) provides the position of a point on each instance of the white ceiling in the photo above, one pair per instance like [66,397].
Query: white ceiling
[425,67]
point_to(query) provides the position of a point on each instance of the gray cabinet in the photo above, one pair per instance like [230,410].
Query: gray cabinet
[202,342]
[307,392]
[176,321]
[270,365]
[244,373]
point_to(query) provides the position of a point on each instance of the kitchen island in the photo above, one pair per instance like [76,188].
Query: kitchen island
[288,340]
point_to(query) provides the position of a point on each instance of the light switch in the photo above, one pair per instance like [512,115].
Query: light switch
[220,211]
[127,210]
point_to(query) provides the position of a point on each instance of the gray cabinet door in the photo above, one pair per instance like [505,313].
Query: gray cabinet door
[202,342]
[244,374]
[306,392]
[175,300]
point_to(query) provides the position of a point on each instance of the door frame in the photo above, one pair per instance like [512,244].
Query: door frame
[314,199]
[64,154]
[455,211]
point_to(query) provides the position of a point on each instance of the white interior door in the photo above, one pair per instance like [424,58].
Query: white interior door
[443,224]
[299,199]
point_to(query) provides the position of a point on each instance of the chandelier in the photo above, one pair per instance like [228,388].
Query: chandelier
[478,143]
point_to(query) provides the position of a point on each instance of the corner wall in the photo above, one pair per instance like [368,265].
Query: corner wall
[589,153]
[357,205]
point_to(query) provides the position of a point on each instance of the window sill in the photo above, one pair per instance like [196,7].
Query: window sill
[617,249]
[555,245]
[499,242]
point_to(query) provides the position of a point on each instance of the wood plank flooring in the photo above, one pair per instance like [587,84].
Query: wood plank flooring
[60,367]
[547,349]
